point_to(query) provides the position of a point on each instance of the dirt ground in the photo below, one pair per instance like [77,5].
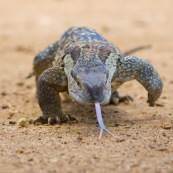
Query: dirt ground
[26,27]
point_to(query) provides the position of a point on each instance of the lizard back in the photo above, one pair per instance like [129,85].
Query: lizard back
[85,43]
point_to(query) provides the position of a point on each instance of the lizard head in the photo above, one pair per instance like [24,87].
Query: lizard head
[89,78]
[88,85]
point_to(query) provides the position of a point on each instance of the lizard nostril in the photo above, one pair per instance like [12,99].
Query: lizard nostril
[95,92]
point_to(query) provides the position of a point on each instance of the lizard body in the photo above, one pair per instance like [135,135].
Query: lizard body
[90,69]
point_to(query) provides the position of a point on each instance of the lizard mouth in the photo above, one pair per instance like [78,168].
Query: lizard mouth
[76,97]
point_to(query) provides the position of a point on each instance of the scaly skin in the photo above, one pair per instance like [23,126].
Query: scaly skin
[90,69]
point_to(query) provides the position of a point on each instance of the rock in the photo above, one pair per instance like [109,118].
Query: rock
[20,83]
[12,112]
[22,122]
[12,122]
[79,139]
[3,123]
[166,126]
[21,151]
[120,139]
[31,121]
[30,160]
[164,134]
[160,104]
[128,134]
[127,127]
[3,93]
[162,148]
[78,132]
[5,106]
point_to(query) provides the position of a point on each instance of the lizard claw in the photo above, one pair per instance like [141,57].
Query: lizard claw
[125,99]
[69,119]
[116,99]
[40,120]
[54,120]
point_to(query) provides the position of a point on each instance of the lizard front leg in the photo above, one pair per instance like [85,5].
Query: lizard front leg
[130,67]
[49,84]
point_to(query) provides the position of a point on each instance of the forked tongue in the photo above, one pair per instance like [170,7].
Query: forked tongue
[100,121]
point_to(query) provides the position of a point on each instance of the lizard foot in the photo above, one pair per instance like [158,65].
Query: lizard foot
[55,119]
[116,99]
[68,119]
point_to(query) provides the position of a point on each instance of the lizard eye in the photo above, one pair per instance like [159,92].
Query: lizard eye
[74,76]
[78,83]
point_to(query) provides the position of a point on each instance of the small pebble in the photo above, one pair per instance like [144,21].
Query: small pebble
[127,127]
[20,151]
[167,127]
[120,139]
[164,134]
[164,97]
[135,138]
[162,148]
[116,124]
[79,139]
[30,160]
[20,83]
[22,122]
[31,121]
[57,126]
[3,93]
[152,146]
[5,106]
[28,86]
[12,112]
[95,157]
[78,132]
[160,104]
[12,122]
[128,134]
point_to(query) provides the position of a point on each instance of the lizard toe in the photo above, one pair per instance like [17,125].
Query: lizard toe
[126,99]
[51,120]
[54,120]
[40,120]
[68,119]
[116,99]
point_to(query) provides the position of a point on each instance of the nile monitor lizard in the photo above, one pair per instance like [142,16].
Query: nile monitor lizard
[90,69]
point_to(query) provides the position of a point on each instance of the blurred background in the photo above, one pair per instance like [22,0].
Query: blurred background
[27,27]
[37,23]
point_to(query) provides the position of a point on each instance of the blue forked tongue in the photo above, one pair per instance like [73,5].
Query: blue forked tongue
[100,121]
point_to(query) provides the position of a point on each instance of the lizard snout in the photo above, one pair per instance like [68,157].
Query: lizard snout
[94,91]
[90,85]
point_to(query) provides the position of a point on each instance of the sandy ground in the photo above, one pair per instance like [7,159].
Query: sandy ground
[26,27]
